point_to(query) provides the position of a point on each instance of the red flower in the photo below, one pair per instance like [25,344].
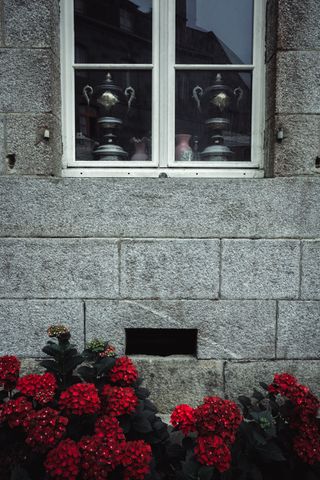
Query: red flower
[40,387]
[123,372]
[15,411]
[218,416]
[118,400]
[9,371]
[63,461]
[136,460]
[44,428]
[109,428]
[99,456]
[307,443]
[80,399]
[212,451]
[183,418]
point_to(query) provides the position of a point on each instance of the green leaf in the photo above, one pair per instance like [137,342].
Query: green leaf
[87,373]
[205,473]
[141,424]
[19,473]
[190,468]
[52,349]
[72,363]
[263,385]
[105,364]
[258,395]
[270,452]
[244,400]
[50,365]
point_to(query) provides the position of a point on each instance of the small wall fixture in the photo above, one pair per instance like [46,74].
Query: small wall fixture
[280,134]
[161,341]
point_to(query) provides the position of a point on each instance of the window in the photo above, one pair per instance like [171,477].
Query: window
[163,87]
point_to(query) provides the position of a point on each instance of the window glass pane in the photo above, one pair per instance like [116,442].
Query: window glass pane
[213,115]
[116,123]
[214,31]
[113,31]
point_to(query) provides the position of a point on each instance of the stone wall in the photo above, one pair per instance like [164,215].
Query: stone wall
[237,259]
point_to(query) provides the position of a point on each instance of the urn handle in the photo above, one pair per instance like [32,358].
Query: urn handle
[87,92]
[196,93]
[131,94]
[238,92]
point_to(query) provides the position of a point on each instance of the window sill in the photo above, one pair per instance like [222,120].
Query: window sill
[164,172]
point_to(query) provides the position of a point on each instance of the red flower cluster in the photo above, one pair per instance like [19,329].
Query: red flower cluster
[40,387]
[80,399]
[63,461]
[118,400]
[109,351]
[218,416]
[100,455]
[124,372]
[15,411]
[212,451]
[299,395]
[306,442]
[109,427]
[9,371]
[136,460]
[44,428]
[183,418]
[216,422]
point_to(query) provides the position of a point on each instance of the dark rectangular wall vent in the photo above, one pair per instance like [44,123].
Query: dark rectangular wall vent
[161,341]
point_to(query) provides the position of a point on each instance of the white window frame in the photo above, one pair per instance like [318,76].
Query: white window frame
[163,103]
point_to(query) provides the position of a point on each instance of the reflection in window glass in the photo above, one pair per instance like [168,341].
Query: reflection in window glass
[113,115]
[214,31]
[113,31]
[213,116]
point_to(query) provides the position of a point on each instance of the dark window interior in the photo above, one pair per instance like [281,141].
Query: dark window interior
[161,341]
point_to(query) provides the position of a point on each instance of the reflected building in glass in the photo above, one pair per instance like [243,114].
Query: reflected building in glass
[120,32]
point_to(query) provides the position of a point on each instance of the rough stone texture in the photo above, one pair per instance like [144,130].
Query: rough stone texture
[170,269]
[260,269]
[26,81]
[30,365]
[66,268]
[3,164]
[270,140]
[34,154]
[271,85]
[299,25]
[226,329]
[298,330]
[177,379]
[146,207]
[241,378]
[310,285]
[35,29]
[271,28]
[298,82]
[297,153]
[24,323]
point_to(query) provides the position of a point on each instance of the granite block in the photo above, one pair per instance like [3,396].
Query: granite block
[298,330]
[298,82]
[148,207]
[297,153]
[176,380]
[26,83]
[242,378]
[260,269]
[34,154]
[226,329]
[53,268]
[169,269]
[24,323]
[310,285]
